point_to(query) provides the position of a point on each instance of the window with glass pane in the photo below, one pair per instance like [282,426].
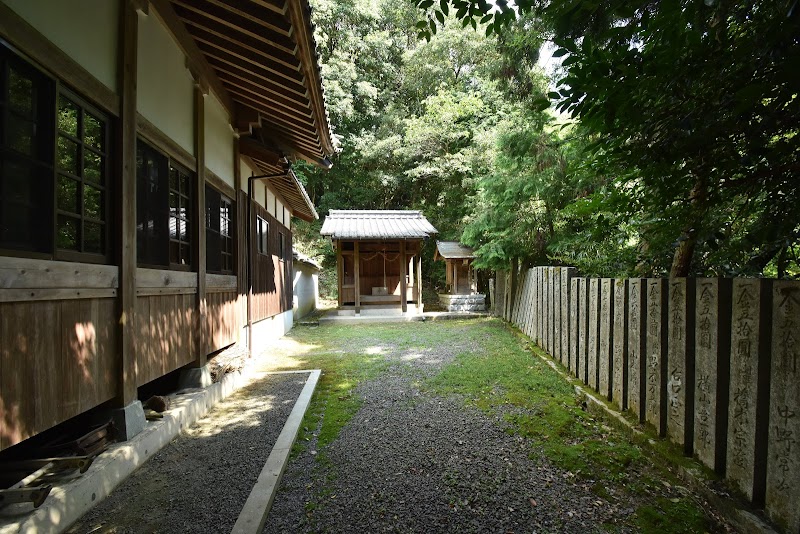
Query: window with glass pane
[152,206]
[180,209]
[219,232]
[26,156]
[262,227]
[81,177]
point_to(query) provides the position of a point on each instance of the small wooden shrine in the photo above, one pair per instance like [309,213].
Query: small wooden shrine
[378,257]
[461,294]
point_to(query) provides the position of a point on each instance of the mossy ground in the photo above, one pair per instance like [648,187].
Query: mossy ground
[497,372]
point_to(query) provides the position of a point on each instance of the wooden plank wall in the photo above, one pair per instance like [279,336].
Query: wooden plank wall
[165,326]
[57,359]
[272,275]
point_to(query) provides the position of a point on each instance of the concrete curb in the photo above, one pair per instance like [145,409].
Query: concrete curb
[68,501]
[254,513]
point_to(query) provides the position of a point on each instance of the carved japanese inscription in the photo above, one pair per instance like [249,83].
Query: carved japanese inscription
[656,354]
[637,334]
[783,445]
[745,342]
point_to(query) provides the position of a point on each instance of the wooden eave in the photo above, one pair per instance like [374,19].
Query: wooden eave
[263,57]
[282,180]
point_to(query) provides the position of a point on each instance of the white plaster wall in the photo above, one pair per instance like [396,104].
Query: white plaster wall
[85,29]
[268,330]
[260,194]
[165,92]
[271,202]
[306,289]
[279,211]
[218,139]
[246,171]
[287,217]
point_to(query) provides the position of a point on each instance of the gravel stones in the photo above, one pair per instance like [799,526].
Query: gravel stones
[200,481]
[411,461]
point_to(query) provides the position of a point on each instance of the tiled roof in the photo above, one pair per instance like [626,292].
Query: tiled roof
[376,224]
[453,250]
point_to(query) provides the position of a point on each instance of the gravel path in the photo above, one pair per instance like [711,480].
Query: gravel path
[200,481]
[414,462]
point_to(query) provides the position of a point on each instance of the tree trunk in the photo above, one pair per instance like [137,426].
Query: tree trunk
[684,254]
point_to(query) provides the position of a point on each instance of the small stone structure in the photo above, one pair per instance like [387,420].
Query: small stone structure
[461,280]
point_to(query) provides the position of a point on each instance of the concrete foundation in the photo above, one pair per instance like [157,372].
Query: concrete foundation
[195,377]
[129,421]
[470,303]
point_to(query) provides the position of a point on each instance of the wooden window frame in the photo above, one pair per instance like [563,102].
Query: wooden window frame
[104,186]
[46,164]
[183,191]
[162,209]
[262,235]
[226,241]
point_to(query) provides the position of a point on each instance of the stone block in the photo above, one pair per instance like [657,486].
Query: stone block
[554,332]
[556,313]
[680,363]
[783,439]
[712,352]
[566,275]
[546,283]
[637,352]
[605,365]
[541,305]
[656,346]
[129,421]
[195,377]
[574,322]
[748,408]
[529,303]
[619,353]
[593,333]
[583,329]
[536,309]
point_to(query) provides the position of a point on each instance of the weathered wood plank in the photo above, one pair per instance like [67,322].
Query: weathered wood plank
[16,373]
[46,355]
[33,295]
[26,273]
[148,278]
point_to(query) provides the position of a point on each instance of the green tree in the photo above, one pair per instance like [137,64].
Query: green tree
[695,109]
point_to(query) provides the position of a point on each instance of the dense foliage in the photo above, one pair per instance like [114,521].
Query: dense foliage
[673,147]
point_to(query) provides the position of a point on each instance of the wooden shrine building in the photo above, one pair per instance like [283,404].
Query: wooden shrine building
[379,257]
[146,195]
[461,294]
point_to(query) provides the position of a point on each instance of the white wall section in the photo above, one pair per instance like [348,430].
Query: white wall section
[86,30]
[165,94]
[218,140]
